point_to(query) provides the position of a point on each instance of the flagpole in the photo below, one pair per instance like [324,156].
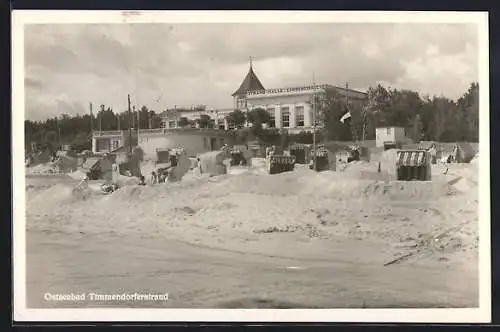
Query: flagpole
[138,124]
[314,123]
[100,117]
[58,131]
[118,117]
[91,119]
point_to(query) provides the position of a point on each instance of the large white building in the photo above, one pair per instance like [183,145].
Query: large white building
[289,108]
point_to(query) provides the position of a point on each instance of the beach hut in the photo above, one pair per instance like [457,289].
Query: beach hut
[464,152]
[301,152]
[212,163]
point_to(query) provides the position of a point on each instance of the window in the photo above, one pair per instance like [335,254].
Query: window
[388,131]
[272,117]
[115,144]
[241,103]
[299,116]
[220,123]
[230,124]
[102,145]
[172,124]
[205,143]
[163,124]
[285,117]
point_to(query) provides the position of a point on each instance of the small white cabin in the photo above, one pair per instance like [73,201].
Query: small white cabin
[389,134]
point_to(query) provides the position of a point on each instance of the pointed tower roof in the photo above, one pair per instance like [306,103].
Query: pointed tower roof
[250,83]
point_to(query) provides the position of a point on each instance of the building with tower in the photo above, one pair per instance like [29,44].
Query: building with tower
[289,108]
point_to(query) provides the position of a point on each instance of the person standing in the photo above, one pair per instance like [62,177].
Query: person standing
[154,178]
[433,153]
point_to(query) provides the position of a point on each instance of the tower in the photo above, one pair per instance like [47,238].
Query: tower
[250,83]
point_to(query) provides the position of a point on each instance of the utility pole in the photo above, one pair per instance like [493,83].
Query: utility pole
[314,123]
[129,127]
[118,119]
[58,132]
[364,122]
[91,120]
[138,124]
[353,130]
[100,117]
[133,117]
[91,127]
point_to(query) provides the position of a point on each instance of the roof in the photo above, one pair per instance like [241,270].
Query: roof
[412,158]
[120,149]
[385,127]
[91,162]
[250,83]
[170,113]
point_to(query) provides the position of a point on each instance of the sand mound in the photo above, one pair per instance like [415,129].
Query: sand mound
[388,160]
[330,185]
[78,174]
[48,198]
[47,168]
[475,160]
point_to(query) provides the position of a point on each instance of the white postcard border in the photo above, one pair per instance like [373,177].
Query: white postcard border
[21,313]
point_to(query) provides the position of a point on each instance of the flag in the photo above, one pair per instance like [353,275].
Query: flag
[347,115]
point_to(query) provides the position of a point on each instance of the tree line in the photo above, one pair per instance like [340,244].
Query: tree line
[434,118]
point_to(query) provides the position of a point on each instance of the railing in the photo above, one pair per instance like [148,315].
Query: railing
[98,133]
[151,131]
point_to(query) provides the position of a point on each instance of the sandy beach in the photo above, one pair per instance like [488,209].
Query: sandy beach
[251,240]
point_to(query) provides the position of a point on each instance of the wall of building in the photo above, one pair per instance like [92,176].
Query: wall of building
[294,103]
[277,104]
[107,141]
[193,142]
[389,134]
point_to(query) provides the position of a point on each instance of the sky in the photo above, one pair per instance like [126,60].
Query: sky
[67,66]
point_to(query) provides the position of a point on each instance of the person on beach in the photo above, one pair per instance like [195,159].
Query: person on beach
[154,178]
[433,153]
[163,176]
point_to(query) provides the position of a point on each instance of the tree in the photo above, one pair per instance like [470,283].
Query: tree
[258,117]
[376,107]
[330,107]
[183,122]
[468,106]
[143,118]
[403,106]
[204,120]
[237,117]
[417,129]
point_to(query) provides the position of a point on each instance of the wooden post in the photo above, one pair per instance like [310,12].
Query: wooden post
[129,127]
[91,119]
[314,123]
[100,118]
